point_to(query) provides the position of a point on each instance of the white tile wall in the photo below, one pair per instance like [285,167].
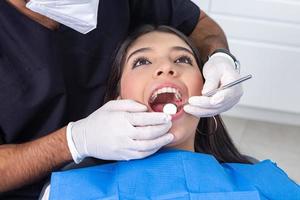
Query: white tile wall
[273,10]
[265,36]
[258,30]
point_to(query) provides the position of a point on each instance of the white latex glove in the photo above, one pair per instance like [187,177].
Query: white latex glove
[80,15]
[119,130]
[217,71]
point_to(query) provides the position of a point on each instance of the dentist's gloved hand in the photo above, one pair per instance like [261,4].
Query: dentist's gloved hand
[219,70]
[119,130]
[80,15]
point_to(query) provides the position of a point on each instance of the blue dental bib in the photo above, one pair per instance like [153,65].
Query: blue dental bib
[176,175]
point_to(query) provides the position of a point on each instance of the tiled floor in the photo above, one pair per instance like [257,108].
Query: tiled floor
[263,140]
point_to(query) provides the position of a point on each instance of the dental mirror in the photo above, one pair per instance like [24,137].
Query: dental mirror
[170,109]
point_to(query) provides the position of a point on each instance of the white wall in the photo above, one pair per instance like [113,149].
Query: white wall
[265,37]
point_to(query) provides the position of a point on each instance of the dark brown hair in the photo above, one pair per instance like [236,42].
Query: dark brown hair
[208,139]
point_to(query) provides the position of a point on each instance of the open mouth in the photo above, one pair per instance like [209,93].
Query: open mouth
[165,95]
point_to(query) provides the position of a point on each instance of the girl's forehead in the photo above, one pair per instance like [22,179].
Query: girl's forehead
[158,39]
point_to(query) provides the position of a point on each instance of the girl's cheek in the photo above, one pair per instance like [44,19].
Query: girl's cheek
[125,89]
[196,87]
[131,87]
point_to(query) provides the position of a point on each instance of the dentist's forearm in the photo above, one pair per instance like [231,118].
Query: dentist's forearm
[41,19]
[208,36]
[22,164]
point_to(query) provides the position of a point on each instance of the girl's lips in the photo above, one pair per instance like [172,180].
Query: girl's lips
[180,105]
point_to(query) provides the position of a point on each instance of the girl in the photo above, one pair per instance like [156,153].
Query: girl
[156,66]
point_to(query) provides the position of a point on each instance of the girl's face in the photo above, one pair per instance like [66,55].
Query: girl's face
[161,68]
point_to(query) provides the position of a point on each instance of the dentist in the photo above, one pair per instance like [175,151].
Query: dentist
[55,58]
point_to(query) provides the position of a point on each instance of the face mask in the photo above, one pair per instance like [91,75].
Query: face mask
[80,15]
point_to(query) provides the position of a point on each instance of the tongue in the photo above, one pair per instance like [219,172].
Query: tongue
[158,107]
[165,98]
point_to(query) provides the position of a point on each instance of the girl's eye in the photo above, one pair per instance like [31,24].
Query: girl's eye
[140,61]
[184,60]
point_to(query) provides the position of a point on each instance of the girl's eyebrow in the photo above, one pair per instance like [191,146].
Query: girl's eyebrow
[180,48]
[138,51]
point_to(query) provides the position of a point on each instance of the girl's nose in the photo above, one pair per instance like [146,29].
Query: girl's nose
[166,70]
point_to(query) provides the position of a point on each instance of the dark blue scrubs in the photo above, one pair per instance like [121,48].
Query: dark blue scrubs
[49,78]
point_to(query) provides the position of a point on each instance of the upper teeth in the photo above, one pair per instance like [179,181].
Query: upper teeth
[166,90]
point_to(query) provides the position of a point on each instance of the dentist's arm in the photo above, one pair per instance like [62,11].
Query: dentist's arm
[208,36]
[218,70]
[20,5]
[22,164]
[119,130]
